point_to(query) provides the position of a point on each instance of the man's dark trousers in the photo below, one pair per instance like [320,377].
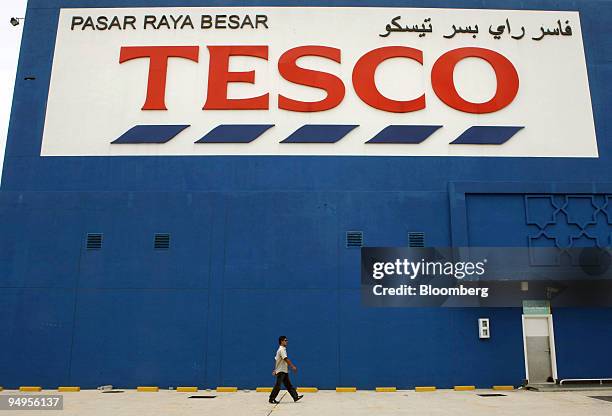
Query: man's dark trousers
[284,379]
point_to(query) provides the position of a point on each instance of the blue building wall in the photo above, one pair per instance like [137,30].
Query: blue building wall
[258,249]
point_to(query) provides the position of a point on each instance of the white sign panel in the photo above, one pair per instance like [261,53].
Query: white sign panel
[319,81]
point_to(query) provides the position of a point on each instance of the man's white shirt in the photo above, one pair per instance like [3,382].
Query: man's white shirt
[281,364]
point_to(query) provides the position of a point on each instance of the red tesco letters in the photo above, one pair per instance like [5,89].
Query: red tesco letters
[365,86]
[158,68]
[219,76]
[289,70]
[363,80]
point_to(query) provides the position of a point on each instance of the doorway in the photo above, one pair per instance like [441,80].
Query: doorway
[539,349]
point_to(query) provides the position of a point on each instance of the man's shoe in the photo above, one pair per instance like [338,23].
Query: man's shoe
[273,401]
[298,398]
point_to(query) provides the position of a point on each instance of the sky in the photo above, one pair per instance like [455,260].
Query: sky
[10,39]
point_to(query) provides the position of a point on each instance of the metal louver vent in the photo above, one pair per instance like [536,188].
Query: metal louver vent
[94,241]
[354,238]
[416,239]
[162,241]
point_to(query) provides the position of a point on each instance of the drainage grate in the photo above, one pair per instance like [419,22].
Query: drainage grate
[201,397]
[354,238]
[94,241]
[492,395]
[604,398]
[161,241]
[416,239]
[112,391]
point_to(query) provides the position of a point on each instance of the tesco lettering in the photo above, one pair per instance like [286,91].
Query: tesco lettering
[219,77]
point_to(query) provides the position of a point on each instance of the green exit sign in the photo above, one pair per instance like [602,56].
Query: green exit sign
[536,307]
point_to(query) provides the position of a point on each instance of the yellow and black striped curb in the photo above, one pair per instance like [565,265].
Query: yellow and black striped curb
[503,387]
[464,388]
[147,388]
[346,389]
[263,389]
[30,388]
[68,388]
[227,389]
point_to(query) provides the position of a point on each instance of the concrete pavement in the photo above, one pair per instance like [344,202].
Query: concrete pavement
[330,403]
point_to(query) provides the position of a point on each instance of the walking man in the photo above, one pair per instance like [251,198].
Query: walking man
[281,371]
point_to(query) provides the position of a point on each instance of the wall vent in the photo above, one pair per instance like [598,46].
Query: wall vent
[161,241]
[416,239]
[354,238]
[94,241]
